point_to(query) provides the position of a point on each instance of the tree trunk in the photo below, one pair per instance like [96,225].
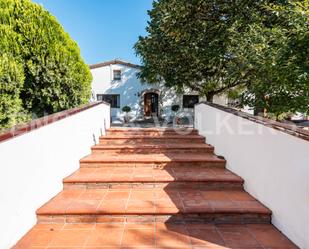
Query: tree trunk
[210,97]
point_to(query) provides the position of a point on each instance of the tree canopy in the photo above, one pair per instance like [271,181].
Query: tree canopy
[41,70]
[214,46]
[281,82]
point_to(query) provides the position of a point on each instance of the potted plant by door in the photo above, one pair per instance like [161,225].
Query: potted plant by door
[126,109]
[175,109]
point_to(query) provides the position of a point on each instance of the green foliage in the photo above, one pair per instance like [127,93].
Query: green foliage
[281,82]
[244,48]
[189,41]
[11,81]
[45,63]
[126,109]
[175,108]
[11,76]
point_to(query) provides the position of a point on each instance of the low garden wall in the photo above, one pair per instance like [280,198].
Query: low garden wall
[271,157]
[37,156]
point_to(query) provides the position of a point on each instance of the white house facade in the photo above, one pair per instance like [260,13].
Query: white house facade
[116,82]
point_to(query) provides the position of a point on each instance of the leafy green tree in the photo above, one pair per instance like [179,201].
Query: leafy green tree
[46,68]
[214,47]
[189,41]
[281,82]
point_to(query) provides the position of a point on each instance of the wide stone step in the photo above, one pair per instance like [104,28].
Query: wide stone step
[140,139]
[99,205]
[151,131]
[149,178]
[153,161]
[153,148]
[154,235]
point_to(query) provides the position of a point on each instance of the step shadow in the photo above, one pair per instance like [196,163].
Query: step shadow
[179,228]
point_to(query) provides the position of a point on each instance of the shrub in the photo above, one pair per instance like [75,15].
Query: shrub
[48,72]
[126,109]
[11,81]
[11,76]
[175,108]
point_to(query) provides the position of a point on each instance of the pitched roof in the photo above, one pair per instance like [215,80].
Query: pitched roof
[113,62]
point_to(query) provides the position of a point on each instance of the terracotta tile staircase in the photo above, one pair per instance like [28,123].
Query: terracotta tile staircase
[153,188]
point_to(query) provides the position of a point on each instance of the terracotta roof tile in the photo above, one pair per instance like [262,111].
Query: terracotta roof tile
[113,62]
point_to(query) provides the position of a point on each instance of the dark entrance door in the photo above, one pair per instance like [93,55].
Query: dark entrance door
[151,104]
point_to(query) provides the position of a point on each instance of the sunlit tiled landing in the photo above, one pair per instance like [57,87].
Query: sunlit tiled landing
[154,235]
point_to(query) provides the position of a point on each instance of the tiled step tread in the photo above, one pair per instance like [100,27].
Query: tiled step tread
[167,136]
[146,175]
[151,129]
[151,158]
[151,202]
[154,235]
[152,133]
[152,146]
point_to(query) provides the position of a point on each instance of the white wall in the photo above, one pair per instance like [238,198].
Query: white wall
[129,88]
[34,164]
[274,165]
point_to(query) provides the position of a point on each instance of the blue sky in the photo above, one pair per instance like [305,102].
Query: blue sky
[103,29]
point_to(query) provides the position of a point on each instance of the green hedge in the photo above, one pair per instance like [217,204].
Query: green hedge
[41,69]
[11,82]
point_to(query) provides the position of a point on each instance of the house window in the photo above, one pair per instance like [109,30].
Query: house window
[117,74]
[113,99]
[189,101]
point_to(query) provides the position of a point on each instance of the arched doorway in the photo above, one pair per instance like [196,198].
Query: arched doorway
[151,104]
